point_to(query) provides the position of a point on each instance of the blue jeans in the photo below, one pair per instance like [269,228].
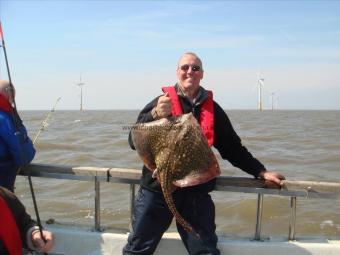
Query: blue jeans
[152,218]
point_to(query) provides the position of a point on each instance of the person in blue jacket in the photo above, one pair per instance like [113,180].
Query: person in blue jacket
[16,148]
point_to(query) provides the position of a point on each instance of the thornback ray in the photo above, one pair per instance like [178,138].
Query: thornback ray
[179,152]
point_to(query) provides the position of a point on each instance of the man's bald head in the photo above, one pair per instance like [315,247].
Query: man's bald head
[7,90]
[192,54]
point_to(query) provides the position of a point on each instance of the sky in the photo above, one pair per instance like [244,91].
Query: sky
[125,51]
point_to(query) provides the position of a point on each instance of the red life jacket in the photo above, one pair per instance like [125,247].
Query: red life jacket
[9,232]
[5,105]
[207,112]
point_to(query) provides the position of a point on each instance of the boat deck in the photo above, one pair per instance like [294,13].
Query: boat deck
[77,241]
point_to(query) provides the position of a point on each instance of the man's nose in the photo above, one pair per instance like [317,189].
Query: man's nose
[190,70]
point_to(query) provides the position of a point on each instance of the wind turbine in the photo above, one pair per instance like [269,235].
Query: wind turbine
[260,82]
[276,102]
[272,95]
[81,84]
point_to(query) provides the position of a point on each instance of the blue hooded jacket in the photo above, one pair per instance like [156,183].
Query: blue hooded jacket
[16,149]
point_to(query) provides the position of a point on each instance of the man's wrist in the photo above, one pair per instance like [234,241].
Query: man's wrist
[261,173]
[29,237]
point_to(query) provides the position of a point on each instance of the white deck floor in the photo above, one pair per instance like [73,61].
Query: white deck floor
[72,241]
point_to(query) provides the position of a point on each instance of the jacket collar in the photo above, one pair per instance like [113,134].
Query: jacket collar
[202,95]
[5,105]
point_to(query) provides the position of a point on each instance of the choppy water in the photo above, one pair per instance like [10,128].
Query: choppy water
[302,145]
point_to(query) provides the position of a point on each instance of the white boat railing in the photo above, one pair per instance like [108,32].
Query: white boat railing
[292,189]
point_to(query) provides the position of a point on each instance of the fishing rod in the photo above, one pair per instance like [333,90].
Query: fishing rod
[11,91]
[5,53]
[44,123]
[17,122]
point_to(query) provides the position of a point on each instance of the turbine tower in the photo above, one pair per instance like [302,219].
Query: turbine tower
[272,96]
[260,84]
[81,84]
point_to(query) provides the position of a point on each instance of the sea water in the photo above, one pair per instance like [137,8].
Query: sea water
[302,145]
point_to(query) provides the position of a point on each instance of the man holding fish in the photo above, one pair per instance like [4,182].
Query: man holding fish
[152,213]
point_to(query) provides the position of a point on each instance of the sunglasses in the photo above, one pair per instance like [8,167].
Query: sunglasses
[194,68]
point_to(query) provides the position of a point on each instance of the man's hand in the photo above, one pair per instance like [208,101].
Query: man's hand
[164,107]
[272,176]
[39,243]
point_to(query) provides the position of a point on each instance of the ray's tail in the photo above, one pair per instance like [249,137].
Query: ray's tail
[170,202]
[166,188]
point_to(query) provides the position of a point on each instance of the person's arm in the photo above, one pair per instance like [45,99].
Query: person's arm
[23,220]
[19,144]
[230,147]
[35,242]
[26,225]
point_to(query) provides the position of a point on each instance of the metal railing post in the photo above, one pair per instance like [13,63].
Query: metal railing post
[292,220]
[258,217]
[132,202]
[97,204]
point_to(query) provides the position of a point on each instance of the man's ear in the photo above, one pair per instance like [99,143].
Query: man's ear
[202,75]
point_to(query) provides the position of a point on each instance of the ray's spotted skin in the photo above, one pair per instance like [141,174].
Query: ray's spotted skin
[177,151]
